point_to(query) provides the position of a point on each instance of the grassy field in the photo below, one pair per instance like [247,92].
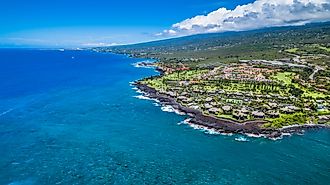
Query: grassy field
[293,50]
[287,119]
[324,48]
[313,94]
[230,117]
[285,77]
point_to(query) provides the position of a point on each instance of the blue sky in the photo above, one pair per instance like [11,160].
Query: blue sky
[76,22]
[79,23]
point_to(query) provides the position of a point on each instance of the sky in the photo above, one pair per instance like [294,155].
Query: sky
[84,23]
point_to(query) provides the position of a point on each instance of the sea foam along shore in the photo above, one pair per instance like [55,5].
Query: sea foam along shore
[157,103]
[204,129]
[144,64]
[169,108]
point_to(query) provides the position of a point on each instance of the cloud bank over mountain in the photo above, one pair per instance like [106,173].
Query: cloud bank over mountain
[259,14]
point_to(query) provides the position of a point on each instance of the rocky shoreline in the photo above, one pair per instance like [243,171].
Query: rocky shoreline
[224,126]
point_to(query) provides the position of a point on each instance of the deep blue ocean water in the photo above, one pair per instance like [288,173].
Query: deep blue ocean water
[71,118]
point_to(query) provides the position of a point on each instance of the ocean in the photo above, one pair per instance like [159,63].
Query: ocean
[72,117]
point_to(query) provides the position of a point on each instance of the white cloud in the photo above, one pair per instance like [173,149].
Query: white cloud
[99,44]
[167,32]
[260,14]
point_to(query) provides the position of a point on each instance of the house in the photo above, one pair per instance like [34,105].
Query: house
[287,110]
[182,98]
[171,94]
[214,110]
[244,110]
[324,119]
[273,114]
[214,103]
[227,109]
[239,115]
[257,114]
[207,106]
[272,105]
[294,108]
[209,99]
[184,94]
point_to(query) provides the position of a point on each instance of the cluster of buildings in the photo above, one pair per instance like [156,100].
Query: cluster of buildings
[246,72]
[240,72]
[202,92]
[243,105]
[168,69]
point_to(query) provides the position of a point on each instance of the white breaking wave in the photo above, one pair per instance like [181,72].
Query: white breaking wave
[6,112]
[204,129]
[286,134]
[199,127]
[213,131]
[169,108]
[138,91]
[156,104]
[184,122]
[142,97]
[255,135]
[227,134]
[276,138]
[241,139]
[138,64]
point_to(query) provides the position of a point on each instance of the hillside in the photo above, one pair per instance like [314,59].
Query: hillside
[215,48]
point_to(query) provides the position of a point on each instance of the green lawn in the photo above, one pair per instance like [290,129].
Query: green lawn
[226,116]
[293,50]
[313,94]
[325,48]
[287,119]
[285,77]
[184,75]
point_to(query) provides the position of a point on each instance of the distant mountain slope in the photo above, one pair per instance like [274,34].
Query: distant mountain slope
[263,43]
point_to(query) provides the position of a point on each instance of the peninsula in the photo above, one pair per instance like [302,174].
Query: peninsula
[265,82]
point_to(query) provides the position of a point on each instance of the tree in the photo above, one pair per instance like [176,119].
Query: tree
[295,91]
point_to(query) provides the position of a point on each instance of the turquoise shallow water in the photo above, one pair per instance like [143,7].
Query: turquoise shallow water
[71,118]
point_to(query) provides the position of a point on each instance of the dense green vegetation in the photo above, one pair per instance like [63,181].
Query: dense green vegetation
[287,120]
